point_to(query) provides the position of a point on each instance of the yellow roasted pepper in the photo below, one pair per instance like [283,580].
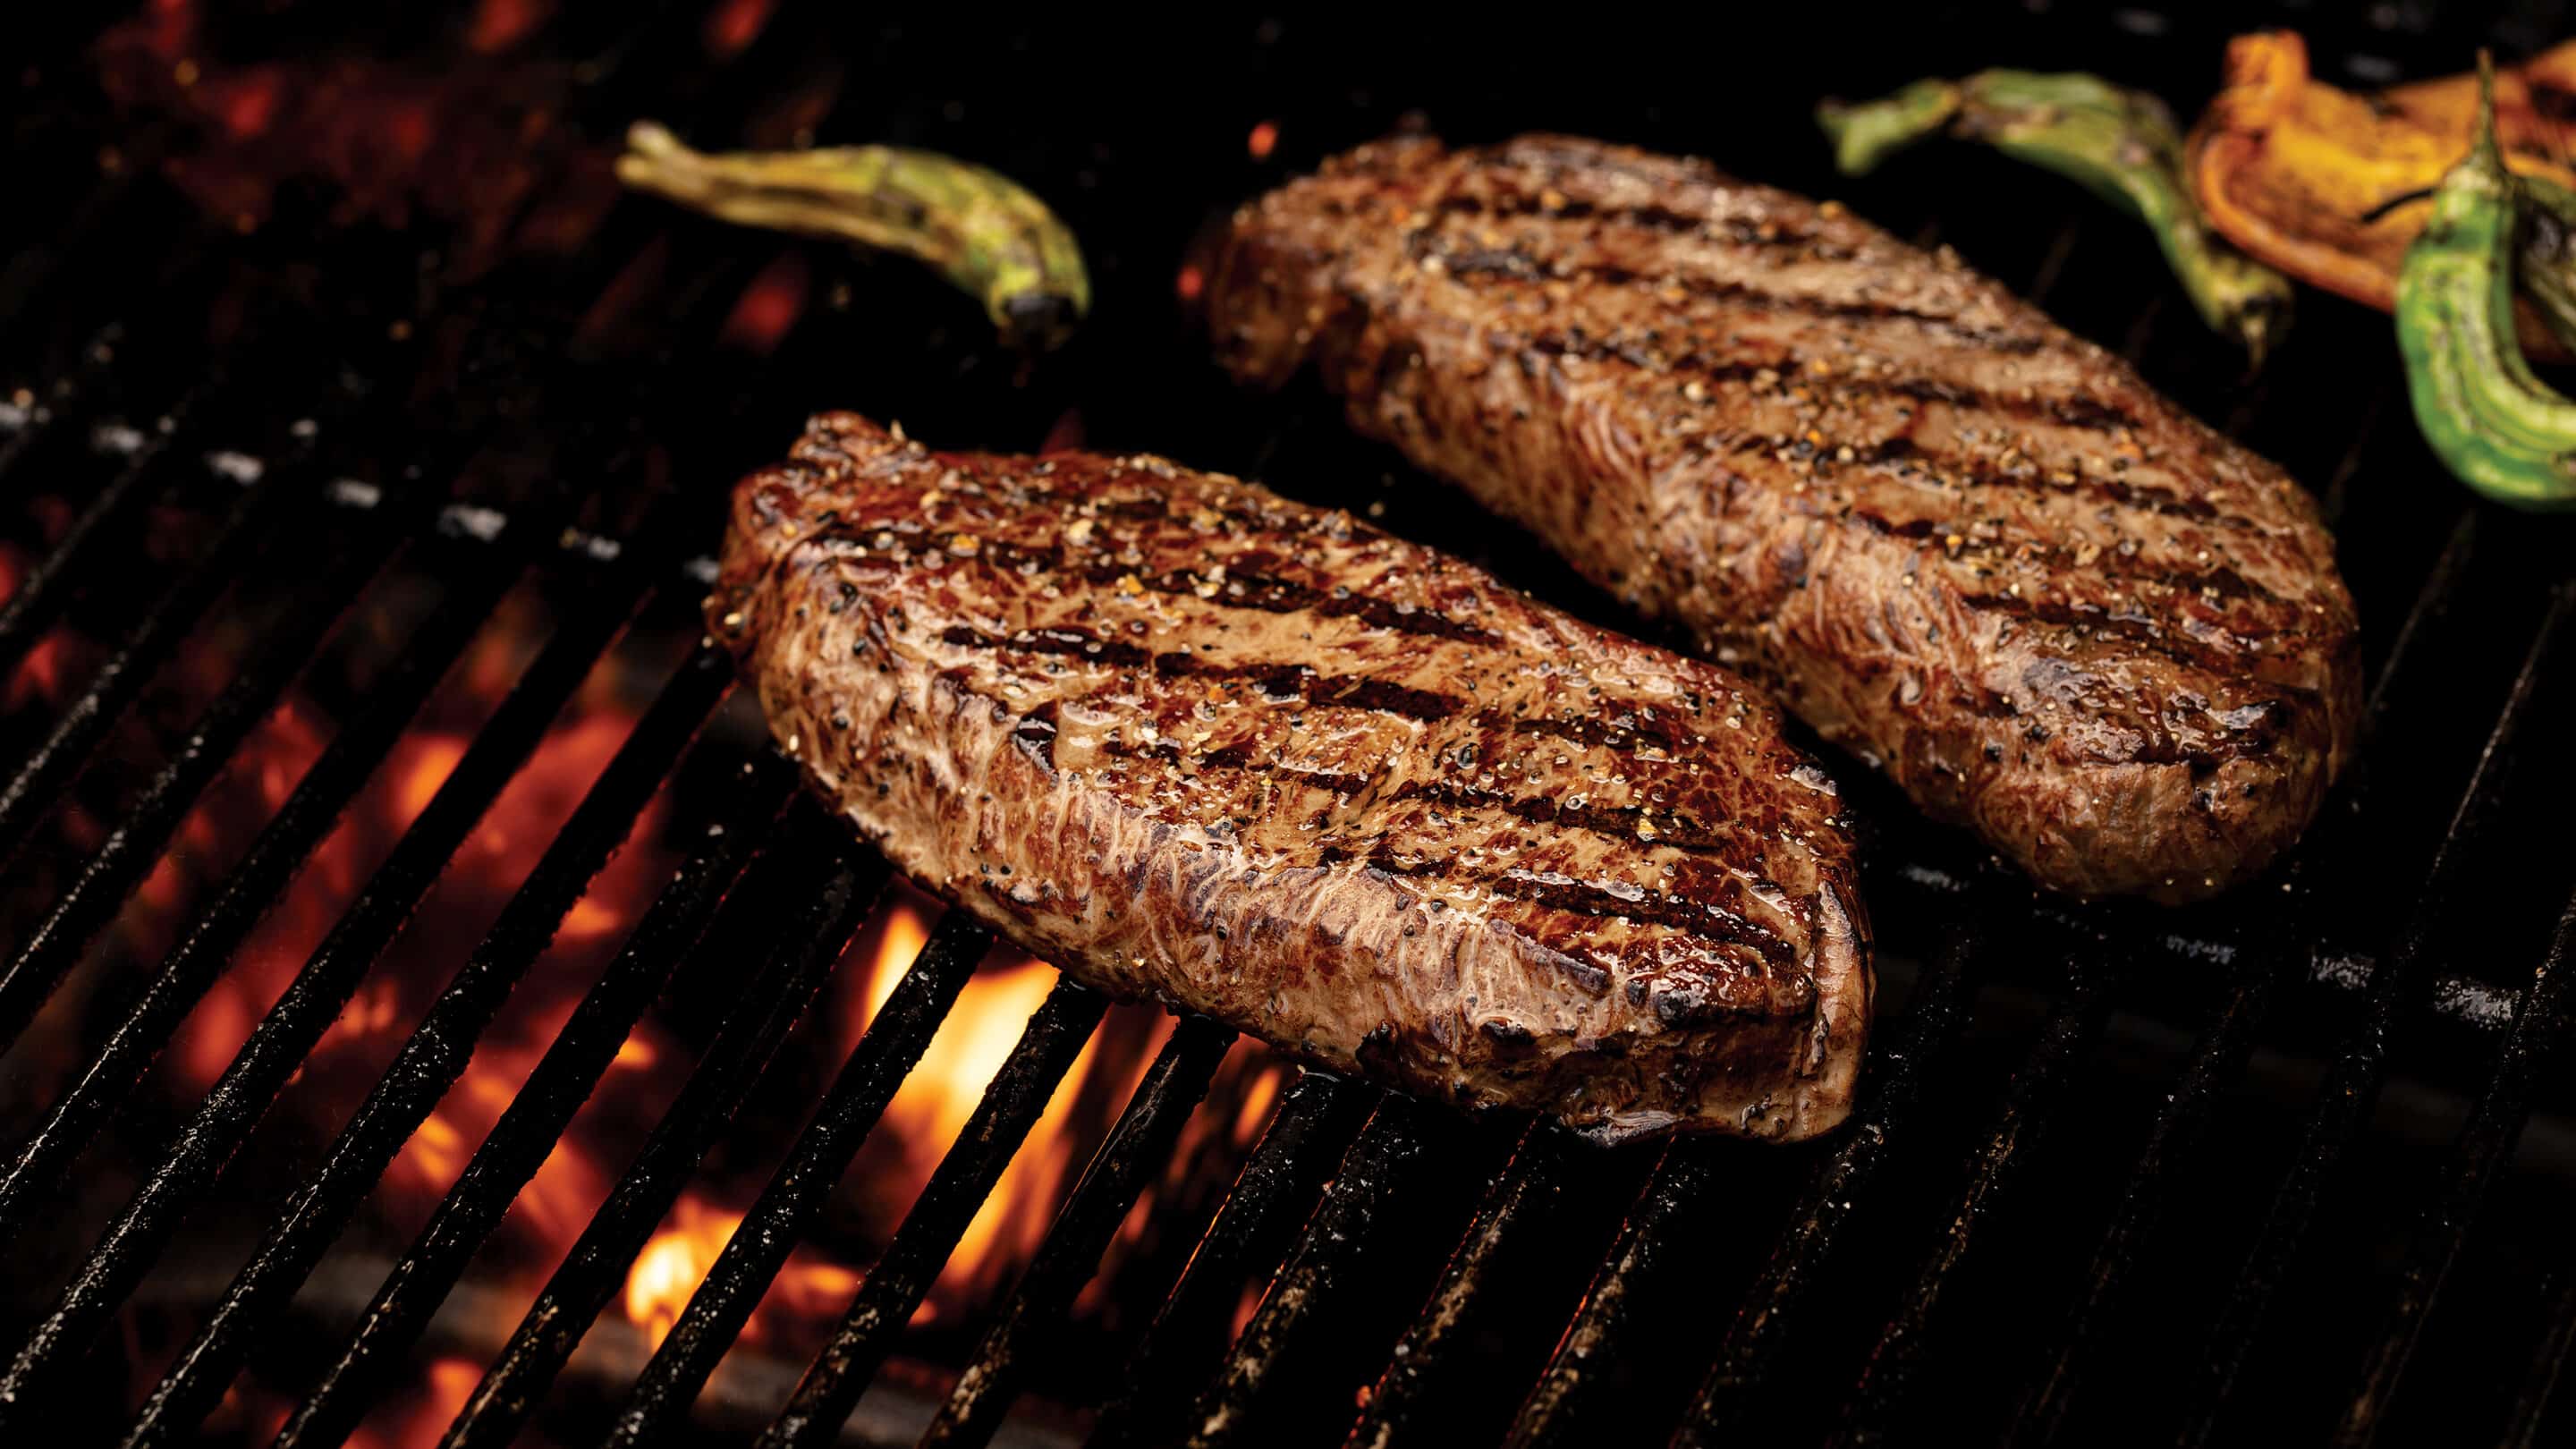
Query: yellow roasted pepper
[2332,186]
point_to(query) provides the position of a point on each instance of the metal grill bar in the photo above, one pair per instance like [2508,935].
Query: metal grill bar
[1729,1401]
[61,397]
[1381,1165]
[290,837]
[1137,1147]
[128,854]
[2539,1024]
[759,1247]
[2548,1365]
[1305,1136]
[435,1054]
[110,516]
[2222,1052]
[136,370]
[538,1116]
[2062,1046]
[839,1375]
[752,1033]
[1561,1399]
[2361,1065]
[1679,1186]
[278,1046]
[1517,1205]
[38,782]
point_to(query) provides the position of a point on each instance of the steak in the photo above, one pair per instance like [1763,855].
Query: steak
[1195,743]
[1965,545]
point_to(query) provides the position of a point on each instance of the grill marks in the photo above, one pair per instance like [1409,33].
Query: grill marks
[1721,367]
[1741,231]
[2098,622]
[1046,713]
[1274,595]
[1969,474]
[1968,471]
[1603,900]
[1617,822]
[1267,593]
[1037,731]
[1064,643]
[1473,265]
[1284,683]
[1630,731]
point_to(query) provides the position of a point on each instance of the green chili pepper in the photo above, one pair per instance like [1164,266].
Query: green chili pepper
[2488,419]
[2545,254]
[981,230]
[2122,145]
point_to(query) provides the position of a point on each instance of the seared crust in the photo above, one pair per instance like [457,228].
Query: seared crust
[1197,743]
[1970,547]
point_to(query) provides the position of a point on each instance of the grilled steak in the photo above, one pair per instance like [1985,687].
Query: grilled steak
[1197,743]
[1973,549]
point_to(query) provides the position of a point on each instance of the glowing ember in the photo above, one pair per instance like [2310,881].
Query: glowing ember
[1065,434]
[456,141]
[500,24]
[1191,283]
[733,25]
[770,305]
[1263,140]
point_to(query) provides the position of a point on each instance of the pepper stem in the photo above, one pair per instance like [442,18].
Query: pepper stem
[2483,150]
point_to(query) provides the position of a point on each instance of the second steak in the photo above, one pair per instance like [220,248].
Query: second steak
[1971,548]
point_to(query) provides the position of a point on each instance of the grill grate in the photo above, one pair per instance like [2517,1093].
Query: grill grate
[1614,1278]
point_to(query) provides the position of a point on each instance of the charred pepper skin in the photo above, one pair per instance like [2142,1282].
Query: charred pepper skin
[2492,423]
[978,228]
[2545,255]
[2120,145]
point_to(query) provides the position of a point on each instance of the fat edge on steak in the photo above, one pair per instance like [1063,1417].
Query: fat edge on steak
[1971,548]
[1195,743]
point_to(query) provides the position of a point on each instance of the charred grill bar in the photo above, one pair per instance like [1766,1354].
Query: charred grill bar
[1962,1127]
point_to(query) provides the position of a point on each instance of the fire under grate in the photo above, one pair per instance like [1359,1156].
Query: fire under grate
[2299,1156]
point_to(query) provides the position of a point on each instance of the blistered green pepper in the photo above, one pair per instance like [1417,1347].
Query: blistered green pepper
[2545,254]
[981,230]
[2121,145]
[2485,415]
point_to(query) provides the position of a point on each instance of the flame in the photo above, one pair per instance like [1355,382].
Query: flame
[921,1123]
[1263,140]
[39,678]
[673,1263]
[678,1257]
[1258,1099]
[445,1386]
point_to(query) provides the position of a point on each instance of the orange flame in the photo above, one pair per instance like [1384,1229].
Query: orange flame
[921,1123]
[678,1257]
[1263,140]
